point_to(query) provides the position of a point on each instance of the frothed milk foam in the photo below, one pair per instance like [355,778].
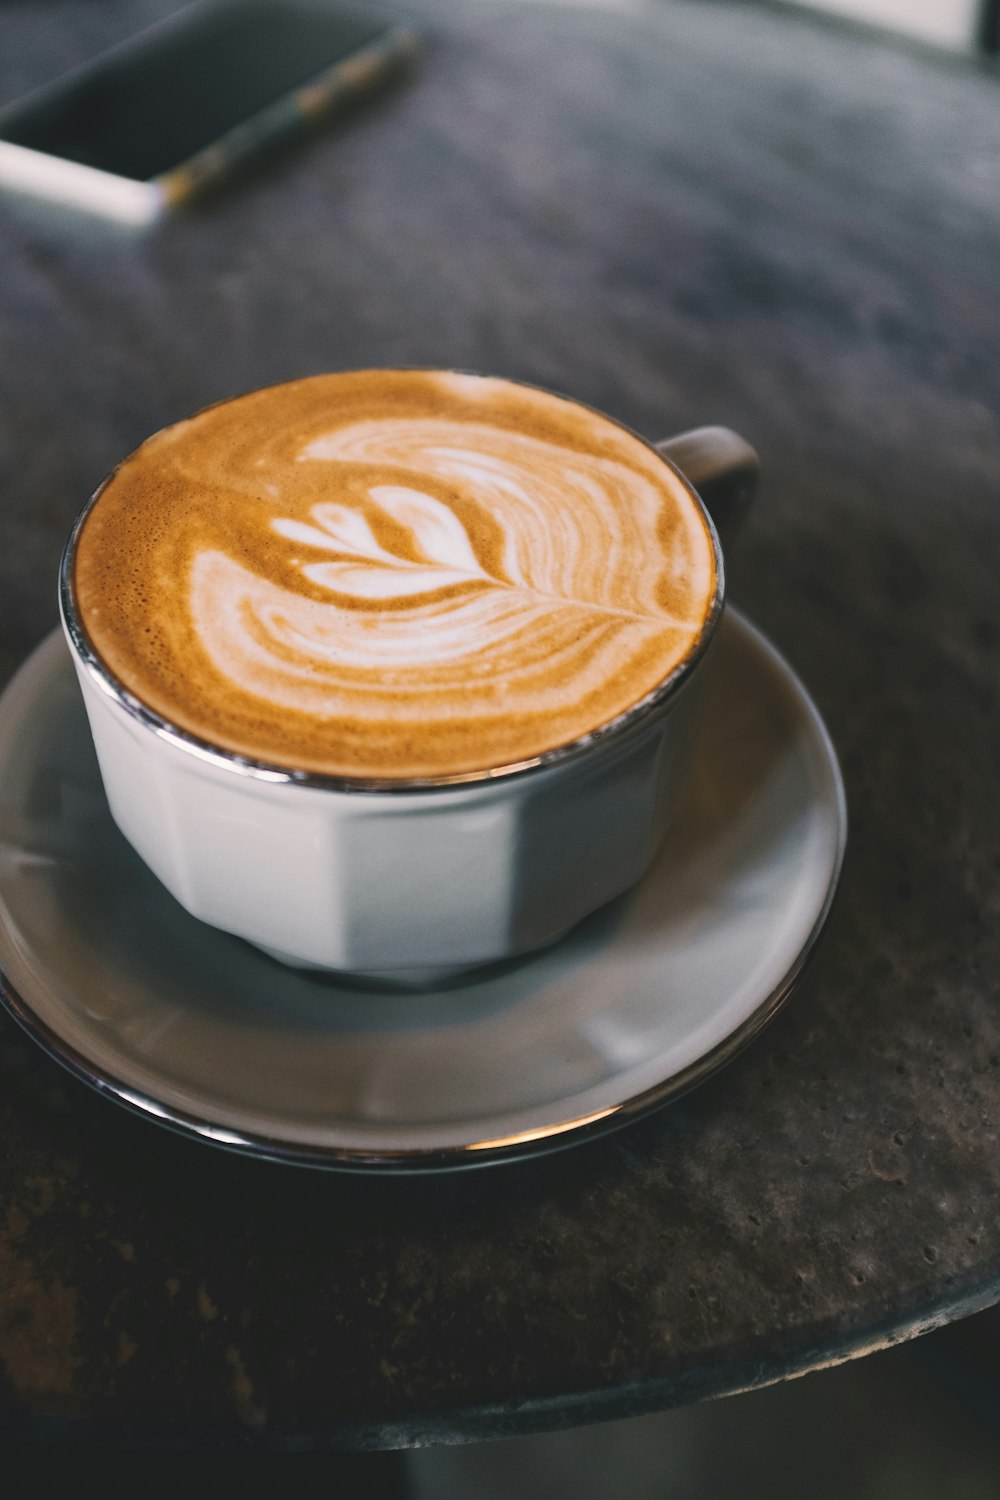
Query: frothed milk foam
[393,574]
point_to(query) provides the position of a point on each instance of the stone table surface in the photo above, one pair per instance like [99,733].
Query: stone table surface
[686,213]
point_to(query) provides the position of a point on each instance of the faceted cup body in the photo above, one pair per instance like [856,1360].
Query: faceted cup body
[412,883]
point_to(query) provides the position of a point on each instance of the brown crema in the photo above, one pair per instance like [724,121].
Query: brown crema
[393,574]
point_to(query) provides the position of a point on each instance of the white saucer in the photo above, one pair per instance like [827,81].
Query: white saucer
[203,1033]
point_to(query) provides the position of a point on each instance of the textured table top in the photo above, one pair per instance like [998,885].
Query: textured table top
[685,213]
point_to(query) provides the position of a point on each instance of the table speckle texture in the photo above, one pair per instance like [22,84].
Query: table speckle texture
[690,213]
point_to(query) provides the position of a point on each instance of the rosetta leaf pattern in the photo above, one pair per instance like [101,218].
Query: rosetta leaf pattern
[371,570]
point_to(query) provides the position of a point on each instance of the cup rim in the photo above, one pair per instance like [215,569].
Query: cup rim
[275,773]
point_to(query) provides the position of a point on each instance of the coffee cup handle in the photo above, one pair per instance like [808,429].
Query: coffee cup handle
[723,468]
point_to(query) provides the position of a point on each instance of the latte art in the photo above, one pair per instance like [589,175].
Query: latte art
[396,575]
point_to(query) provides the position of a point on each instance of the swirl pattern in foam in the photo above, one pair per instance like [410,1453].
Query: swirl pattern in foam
[394,574]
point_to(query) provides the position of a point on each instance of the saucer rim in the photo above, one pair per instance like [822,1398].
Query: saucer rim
[420,1160]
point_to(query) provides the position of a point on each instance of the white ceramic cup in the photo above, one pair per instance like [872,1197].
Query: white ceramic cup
[408,882]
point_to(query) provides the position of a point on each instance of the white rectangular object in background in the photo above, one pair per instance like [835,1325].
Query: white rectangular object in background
[951,23]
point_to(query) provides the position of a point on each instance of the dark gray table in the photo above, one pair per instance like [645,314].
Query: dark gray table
[696,212]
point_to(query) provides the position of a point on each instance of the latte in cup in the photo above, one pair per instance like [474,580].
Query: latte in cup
[394,575]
